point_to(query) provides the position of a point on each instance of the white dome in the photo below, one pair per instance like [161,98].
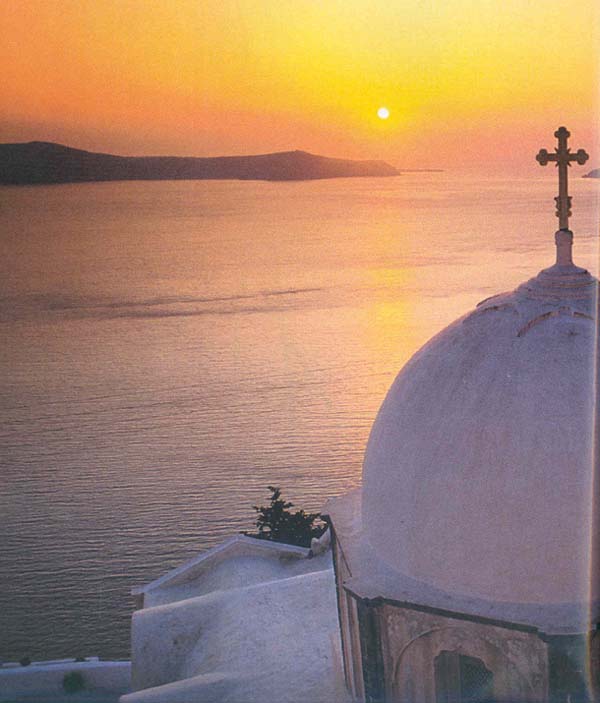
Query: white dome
[477,476]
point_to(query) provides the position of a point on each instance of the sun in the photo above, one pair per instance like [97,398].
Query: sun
[383,113]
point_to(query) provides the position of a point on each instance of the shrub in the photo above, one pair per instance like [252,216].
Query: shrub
[73,682]
[25,661]
[277,523]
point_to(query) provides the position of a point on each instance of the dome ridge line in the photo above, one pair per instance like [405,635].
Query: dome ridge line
[490,308]
[564,311]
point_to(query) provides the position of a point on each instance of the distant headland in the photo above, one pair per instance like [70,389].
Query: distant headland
[593,174]
[47,162]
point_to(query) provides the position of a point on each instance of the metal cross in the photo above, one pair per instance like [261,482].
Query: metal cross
[563,158]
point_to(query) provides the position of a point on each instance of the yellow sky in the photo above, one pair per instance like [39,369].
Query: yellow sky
[466,81]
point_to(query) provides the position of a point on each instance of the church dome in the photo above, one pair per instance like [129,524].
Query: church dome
[477,476]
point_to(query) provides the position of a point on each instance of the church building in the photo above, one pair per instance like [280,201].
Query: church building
[466,564]
[465,568]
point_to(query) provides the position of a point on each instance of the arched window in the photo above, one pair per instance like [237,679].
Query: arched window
[462,679]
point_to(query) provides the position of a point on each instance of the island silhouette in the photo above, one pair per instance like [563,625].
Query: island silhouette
[46,162]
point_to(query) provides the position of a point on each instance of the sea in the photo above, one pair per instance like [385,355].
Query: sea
[171,349]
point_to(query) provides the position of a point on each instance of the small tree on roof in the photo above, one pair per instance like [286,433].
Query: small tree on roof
[277,523]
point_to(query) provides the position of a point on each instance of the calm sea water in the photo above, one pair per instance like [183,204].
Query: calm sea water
[170,349]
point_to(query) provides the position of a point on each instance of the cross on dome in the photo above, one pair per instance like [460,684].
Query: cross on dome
[563,158]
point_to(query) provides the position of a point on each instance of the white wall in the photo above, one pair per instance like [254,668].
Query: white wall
[45,678]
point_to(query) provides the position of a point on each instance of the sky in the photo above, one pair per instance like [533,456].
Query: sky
[468,83]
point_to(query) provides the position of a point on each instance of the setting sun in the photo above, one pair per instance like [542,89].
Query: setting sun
[383,113]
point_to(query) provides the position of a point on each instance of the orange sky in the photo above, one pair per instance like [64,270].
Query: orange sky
[467,82]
